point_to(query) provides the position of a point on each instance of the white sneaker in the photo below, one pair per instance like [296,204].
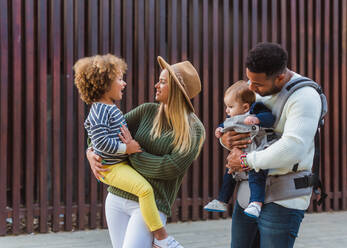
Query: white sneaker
[169,242]
[216,206]
[253,210]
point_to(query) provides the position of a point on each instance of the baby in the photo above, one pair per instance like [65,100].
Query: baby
[244,114]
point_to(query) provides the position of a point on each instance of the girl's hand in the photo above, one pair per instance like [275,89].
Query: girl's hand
[132,145]
[95,164]
[125,135]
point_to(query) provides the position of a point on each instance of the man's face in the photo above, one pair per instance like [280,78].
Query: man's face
[263,85]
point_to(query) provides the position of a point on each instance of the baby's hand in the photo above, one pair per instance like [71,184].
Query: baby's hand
[251,120]
[133,147]
[218,132]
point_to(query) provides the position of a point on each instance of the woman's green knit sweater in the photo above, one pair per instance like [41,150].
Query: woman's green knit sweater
[162,168]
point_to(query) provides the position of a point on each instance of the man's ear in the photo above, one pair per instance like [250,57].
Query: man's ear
[246,107]
[281,77]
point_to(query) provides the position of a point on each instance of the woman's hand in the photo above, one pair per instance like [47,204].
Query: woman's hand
[232,139]
[95,164]
[234,163]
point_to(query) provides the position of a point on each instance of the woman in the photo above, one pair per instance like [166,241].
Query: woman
[171,137]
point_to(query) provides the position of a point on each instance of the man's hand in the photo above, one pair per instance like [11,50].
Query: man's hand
[233,160]
[232,139]
[95,164]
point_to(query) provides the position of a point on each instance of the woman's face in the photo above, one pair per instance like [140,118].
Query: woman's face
[162,87]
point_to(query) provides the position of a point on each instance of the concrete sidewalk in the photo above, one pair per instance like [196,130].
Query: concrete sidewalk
[317,231]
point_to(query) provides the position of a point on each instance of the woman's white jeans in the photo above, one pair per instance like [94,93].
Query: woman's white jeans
[125,223]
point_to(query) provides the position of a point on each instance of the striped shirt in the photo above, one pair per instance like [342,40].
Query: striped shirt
[103,126]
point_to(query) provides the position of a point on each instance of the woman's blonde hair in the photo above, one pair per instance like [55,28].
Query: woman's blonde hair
[178,117]
[94,75]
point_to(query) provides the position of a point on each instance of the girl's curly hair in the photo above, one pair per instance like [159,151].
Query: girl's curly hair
[94,75]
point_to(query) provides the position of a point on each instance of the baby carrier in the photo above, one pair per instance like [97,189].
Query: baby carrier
[294,184]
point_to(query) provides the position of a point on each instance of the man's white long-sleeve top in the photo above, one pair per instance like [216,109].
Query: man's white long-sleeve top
[298,124]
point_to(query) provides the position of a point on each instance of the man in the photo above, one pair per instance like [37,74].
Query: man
[279,221]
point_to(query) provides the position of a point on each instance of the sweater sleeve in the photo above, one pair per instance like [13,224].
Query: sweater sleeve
[134,116]
[169,166]
[301,114]
[100,136]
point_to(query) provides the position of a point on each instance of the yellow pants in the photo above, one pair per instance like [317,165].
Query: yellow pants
[124,177]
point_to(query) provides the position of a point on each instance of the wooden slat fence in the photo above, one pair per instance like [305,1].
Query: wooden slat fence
[45,181]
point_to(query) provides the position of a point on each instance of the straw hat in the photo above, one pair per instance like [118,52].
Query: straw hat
[186,77]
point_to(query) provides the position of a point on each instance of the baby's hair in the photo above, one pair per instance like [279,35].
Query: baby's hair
[94,75]
[241,92]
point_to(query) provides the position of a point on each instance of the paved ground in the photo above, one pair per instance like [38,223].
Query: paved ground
[317,231]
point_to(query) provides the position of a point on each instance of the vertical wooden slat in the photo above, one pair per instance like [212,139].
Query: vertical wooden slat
[236,41]
[293,36]
[161,28]
[93,33]
[4,36]
[30,113]
[151,56]
[173,54]
[195,37]
[216,155]
[17,112]
[105,43]
[69,118]
[245,35]
[344,103]
[254,22]
[140,48]
[274,21]
[318,68]
[335,110]
[327,82]
[42,69]
[206,118]
[56,135]
[128,50]
[184,51]
[283,24]
[116,34]
[226,72]
[310,39]
[310,55]
[79,31]
[172,27]
[264,21]
[302,38]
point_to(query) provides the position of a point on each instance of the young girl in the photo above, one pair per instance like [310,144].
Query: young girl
[99,82]
[244,114]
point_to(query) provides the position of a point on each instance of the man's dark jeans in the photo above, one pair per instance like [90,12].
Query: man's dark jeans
[277,226]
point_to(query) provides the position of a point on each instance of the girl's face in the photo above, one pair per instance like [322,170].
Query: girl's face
[116,89]
[235,106]
[162,87]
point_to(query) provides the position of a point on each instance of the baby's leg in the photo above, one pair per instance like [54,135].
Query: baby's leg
[124,177]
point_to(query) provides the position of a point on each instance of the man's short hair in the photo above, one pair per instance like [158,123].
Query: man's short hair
[268,58]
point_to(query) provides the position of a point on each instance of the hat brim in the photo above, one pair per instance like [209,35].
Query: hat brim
[164,65]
